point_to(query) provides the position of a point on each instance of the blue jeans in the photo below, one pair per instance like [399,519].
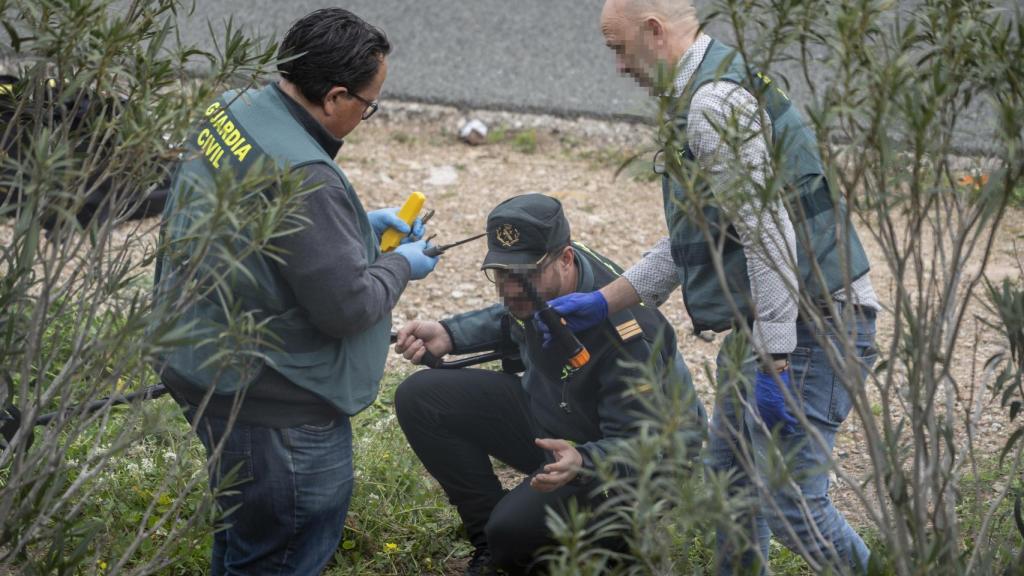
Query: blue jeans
[286,492]
[797,511]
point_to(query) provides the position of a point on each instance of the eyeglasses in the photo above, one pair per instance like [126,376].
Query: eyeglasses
[371,106]
[532,272]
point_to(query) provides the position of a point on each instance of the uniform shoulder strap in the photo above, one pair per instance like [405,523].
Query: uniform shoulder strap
[626,326]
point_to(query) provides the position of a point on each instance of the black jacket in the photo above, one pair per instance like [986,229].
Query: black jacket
[600,403]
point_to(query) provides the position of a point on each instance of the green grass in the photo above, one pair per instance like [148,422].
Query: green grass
[155,470]
[977,492]
[497,135]
[1018,196]
[399,522]
[150,473]
[523,141]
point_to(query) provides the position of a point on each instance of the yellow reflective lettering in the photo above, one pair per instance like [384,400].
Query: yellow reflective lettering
[243,152]
[226,129]
[231,138]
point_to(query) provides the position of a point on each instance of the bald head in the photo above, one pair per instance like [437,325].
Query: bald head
[646,34]
[670,10]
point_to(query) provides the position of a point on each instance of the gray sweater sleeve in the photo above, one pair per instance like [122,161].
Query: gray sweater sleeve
[326,267]
[654,277]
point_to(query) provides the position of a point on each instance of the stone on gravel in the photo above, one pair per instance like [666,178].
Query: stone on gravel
[473,132]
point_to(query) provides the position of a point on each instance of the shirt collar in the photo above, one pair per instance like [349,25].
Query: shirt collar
[585,274]
[690,61]
[325,139]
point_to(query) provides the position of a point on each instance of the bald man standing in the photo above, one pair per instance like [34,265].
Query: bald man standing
[754,278]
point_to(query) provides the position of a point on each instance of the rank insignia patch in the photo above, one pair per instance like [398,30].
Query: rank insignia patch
[629,330]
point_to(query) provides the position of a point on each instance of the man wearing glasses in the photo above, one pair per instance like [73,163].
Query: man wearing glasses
[327,297]
[555,420]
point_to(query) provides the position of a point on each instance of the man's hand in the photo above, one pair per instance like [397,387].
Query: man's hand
[419,336]
[560,472]
[771,402]
[381,220]
[580,310]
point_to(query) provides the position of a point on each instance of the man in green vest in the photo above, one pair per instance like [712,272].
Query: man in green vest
[759,265]
[326,297]
[455,419]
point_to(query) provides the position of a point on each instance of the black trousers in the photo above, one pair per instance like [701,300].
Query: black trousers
[454,420]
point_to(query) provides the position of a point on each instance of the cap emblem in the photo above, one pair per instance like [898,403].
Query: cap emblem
[507,234]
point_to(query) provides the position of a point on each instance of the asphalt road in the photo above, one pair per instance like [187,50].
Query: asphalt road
[525,55]
[539,55]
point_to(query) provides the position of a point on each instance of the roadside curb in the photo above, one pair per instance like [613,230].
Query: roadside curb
[593,131]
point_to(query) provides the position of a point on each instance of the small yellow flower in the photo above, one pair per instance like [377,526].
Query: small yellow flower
[390,547]
[101,564]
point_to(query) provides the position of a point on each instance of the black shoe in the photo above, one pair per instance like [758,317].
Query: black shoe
[480,564]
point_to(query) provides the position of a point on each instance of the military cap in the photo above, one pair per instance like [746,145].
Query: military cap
[523,229]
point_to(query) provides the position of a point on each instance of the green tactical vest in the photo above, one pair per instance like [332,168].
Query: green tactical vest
[817,217]
[237,131]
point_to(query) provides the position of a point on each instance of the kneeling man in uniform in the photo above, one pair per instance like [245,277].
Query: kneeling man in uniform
[554,420]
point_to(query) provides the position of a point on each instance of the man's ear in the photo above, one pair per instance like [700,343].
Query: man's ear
[333,99]
[656,29]
[567,257]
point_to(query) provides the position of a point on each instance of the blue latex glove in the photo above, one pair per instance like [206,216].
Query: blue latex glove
[771,402]
[381,220]
[580,310]
[420,263]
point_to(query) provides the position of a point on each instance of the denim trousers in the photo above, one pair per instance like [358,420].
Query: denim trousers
[792,504]
[284,493]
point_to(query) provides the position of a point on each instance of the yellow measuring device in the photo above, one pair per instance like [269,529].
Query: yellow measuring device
[407,213]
